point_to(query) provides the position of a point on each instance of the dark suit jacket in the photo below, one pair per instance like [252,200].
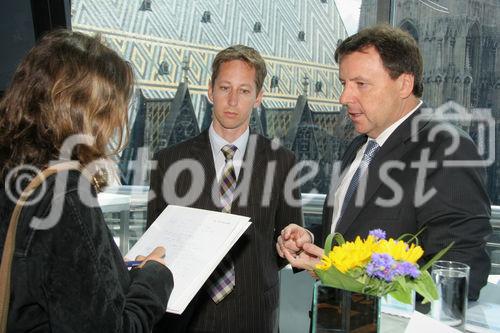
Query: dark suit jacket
[253,305]
[459,210]
[71,277]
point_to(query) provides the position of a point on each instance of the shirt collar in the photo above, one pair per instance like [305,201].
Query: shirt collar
[217,141]
[382,138]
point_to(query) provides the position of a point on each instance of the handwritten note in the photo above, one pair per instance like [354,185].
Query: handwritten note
[195,240]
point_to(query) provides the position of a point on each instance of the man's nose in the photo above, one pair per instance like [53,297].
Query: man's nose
[233,98]
[346,96]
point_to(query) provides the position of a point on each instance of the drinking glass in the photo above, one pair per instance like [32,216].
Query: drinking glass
[452,283]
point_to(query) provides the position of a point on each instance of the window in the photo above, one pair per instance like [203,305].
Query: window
[206,17]
[167,110]
[318,86]
[302,36]
[459,44]
[257,27]
[459,59]
[163,68]
[146,5]
[274,82]
[460,69]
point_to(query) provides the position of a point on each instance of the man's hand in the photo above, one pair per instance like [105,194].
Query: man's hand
[307,259]
[292,238]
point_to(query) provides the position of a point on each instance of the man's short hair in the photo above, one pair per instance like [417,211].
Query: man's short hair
[243,53]
[398,50]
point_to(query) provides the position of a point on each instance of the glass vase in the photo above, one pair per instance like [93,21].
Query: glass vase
[339,310]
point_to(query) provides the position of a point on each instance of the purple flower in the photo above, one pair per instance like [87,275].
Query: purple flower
[380,266]
[377,233]
[406,268]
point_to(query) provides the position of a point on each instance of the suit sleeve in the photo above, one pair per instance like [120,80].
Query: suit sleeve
[287,212]
[156,201]
[323,230]
[459,211]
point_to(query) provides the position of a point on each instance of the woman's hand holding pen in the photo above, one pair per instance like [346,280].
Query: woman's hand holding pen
[158,254]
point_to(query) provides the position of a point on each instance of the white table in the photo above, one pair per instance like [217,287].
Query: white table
[112,202]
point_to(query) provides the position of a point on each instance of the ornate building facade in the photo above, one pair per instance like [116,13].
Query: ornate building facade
[459,40]
[172,41]
[163,38]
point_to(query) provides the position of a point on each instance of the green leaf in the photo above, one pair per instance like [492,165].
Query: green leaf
[413,237]
[328,244]
[429,285]
[425,286]
[403,296]
[436,257]
[403,236]
[334,278]
[356,273]
[372,286]
[337,237]
[401,284]
[363,279]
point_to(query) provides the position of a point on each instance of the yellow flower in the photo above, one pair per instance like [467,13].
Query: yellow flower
[358,253]
[325,263]
[399,250]
[352,254]
[414,253]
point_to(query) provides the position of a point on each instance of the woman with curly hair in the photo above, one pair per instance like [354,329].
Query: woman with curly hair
[68,99]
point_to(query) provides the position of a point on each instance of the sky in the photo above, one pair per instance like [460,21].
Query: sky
[349,11]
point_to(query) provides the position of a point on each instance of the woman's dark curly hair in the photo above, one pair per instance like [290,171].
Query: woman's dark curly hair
[69,83]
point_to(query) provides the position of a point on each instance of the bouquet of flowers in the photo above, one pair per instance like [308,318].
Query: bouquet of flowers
[377,266]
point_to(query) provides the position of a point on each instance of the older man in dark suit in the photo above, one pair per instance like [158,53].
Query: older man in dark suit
[406,171]
[230,169]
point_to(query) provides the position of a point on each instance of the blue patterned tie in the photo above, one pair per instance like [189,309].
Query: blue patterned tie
[222,280]
[371,149]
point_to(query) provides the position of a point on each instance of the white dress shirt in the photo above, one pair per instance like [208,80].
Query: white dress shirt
[344,184]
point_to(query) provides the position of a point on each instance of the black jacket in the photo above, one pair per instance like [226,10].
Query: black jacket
[425,160]
[71,277]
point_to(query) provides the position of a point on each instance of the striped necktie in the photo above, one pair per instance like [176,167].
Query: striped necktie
[222,280]
[371,149]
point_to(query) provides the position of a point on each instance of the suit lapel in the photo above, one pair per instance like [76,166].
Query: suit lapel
[201,150]
[393,149]
[253,160]
[253,156]
[347,159]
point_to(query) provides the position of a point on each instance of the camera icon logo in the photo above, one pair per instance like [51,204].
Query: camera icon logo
[453,118]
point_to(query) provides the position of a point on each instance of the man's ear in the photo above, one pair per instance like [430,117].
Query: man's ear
[210,92]
[258,100]
[407,82]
